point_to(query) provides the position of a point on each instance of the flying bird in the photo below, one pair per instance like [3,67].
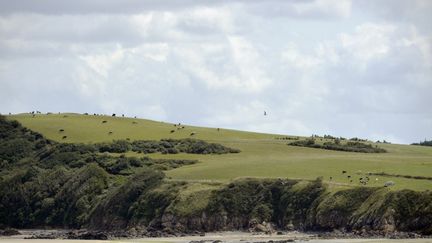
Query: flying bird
[265,113]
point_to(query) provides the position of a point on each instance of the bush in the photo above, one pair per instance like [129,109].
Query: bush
[338,146]
[15,149]
[165,146]
[117,146]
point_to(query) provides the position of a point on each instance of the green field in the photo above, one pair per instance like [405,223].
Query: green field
[262,155]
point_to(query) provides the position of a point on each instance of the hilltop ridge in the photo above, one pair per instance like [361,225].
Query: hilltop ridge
[262,156]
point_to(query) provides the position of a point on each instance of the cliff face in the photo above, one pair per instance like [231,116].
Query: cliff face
[262,205]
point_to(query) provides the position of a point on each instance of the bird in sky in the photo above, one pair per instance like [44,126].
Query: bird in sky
[265,113]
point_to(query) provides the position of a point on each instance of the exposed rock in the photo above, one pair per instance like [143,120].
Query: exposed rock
[43,236]
[87,235]
[264,227]
[290,226]
[9,232]
[132,232]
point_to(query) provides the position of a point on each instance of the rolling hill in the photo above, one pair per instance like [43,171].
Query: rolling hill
[262,155]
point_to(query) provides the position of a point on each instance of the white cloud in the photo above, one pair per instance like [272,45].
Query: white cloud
[314,66]
[294,58]
[233,65]
[423,43]
[326,7]
[369,41]
[103,62]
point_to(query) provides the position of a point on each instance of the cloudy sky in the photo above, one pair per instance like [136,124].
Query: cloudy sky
[340,67]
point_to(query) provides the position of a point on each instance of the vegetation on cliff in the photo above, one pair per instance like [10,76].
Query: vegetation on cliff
[48,183]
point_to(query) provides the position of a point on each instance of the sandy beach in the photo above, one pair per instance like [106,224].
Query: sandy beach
[229,237]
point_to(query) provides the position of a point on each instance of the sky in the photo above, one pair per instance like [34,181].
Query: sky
[340,67]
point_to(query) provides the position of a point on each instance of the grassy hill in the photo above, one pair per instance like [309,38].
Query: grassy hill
[137,187]
[262,155]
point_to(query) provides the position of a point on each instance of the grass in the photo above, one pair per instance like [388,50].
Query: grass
[262,155]
[90,129]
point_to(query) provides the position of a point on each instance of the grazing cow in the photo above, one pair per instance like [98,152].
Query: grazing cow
[193,133]
[331,178]
[113,114]
[344,171]
[64,137]
[172,131]
[61,130]
[349,176]
[350,180]
[134,122]
[218,129]
[110,133]
[104,121]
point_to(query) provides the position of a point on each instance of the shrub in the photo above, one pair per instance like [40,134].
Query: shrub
[337,145]
[117,146]
[15,149]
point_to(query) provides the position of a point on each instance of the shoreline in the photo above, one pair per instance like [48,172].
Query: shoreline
[61,236]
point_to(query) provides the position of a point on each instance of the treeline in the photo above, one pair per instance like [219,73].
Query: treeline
[349,146]
[165,146]
[424,143]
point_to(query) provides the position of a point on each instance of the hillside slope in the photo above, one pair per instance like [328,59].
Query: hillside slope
[91,129]
[46,183]
[262,155]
